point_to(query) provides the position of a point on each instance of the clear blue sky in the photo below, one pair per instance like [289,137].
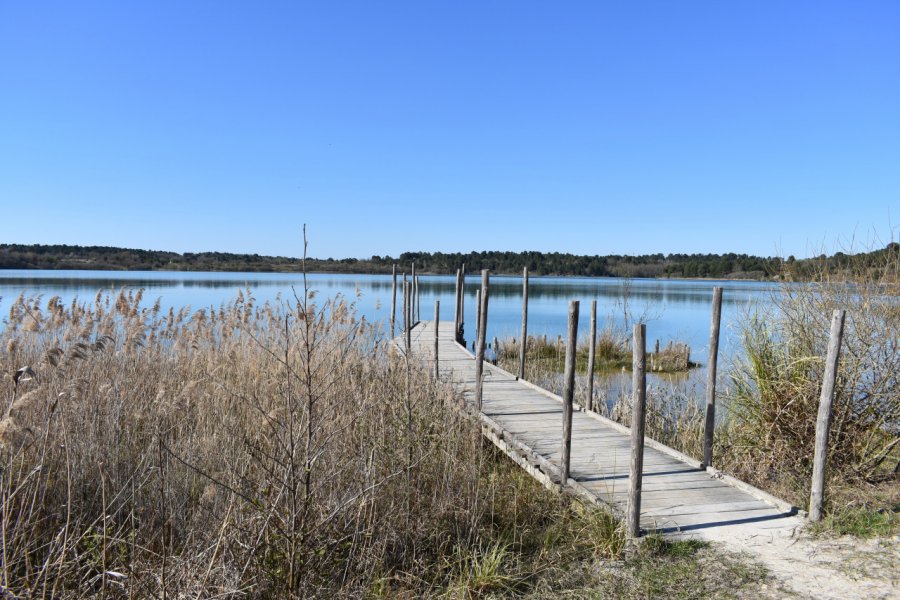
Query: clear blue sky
[596,127]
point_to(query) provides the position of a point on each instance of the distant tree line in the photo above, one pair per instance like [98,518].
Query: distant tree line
[743,266]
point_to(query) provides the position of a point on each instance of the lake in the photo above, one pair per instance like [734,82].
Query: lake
[676,310]
[673,309]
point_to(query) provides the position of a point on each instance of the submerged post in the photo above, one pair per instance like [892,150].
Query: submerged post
[437,324]
[710,425]
[591,356]
[639,387]
[393,299]
[479,348]
[823,422]
[523,346]
[569,391]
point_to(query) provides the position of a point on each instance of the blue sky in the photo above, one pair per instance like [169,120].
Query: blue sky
[595,128]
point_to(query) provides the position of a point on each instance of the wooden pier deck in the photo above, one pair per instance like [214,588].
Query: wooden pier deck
[679,498]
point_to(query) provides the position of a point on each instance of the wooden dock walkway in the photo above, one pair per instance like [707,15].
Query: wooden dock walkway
[679,498]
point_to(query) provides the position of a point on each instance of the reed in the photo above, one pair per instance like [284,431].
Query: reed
[775,387]
[248,449]
[258,450]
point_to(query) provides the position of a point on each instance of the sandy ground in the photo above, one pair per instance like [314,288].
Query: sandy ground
[803,566]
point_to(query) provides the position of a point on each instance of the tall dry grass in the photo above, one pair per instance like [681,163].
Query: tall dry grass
[776,387]
[246,450]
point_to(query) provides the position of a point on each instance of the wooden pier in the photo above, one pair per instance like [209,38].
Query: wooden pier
[679,497]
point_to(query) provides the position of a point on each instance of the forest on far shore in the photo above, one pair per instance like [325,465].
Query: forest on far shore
[717,266]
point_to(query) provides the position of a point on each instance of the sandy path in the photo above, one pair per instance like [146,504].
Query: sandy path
[820,568]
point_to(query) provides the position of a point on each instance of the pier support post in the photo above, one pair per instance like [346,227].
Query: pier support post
[823,422]
[710,424]
[437,324]
[569,391]
[639,386]
[524,344]
[482,331]
[592,357]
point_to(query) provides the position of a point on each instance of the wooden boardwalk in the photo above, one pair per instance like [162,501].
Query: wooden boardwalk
[679,498]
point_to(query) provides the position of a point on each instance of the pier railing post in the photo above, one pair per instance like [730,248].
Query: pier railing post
[437,323]
[523,345]
[639,386]
[461,306]
[412,294]
[393,299]
[407,325]
[569,391]
[480,342]
[403,303]
[823,422]
[456,311]
[592,356]
[418,303]
[477,315]
[710,424]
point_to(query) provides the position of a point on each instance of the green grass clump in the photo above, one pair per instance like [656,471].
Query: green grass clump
[859,522]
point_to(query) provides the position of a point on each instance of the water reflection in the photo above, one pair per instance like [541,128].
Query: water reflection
[673,309]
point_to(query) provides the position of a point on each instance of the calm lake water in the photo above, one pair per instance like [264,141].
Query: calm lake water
[677,310]
[673,309]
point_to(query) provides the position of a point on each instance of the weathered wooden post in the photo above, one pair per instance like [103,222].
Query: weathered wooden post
[412,294]
[591,356]
[461,334]
[482,328]
[393,299]
[823,422]
[477,313]
[710,425]
[406,337]
[639,391]
[524,345]
[437,325]
[456,311]
[403,303]
[418,302]
[569,391]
